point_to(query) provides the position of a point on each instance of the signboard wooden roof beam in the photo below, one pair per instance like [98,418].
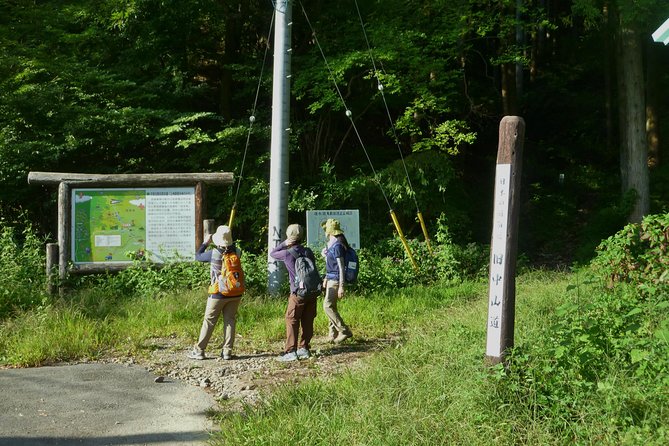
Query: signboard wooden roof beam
[136,179]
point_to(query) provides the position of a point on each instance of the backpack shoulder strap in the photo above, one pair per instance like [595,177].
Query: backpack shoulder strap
[293,252]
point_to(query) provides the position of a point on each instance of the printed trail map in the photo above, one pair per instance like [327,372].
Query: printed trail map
[108,225]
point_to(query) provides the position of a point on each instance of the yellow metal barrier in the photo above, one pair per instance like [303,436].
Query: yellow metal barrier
[427,237]
[404,241]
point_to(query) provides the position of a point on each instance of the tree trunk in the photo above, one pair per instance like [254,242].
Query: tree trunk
[621,98]
[652,94]
[609,76]
[509,96]
[633,114]
[229,57]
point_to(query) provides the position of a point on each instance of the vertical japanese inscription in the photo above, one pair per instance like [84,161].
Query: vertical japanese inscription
[497,259]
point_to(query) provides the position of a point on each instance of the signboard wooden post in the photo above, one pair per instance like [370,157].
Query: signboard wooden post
[504,240]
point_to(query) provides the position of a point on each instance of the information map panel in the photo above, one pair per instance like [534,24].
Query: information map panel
[115,225]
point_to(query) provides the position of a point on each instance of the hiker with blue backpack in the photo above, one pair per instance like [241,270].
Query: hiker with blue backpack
[225,290]
[335,277]
[305,287]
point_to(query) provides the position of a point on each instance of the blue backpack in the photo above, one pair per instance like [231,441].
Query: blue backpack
[351,265]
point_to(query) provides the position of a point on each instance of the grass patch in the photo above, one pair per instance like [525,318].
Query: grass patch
[427,390]
[434,388]
[90,323]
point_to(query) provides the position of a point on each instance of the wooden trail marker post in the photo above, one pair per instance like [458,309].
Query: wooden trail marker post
[504,240]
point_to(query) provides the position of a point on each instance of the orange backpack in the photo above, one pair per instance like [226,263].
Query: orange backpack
[230,283]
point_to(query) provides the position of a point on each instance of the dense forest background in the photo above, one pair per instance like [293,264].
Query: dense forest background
[142,86]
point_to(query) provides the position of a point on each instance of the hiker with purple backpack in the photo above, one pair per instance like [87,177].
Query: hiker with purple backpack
[305,286]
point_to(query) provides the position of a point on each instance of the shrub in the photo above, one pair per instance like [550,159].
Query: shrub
[608,350]
[146,280]
[22,262]
[638,254]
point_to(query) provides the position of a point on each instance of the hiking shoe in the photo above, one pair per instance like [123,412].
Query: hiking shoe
[226,355]
[303,353]
[287,357]
[196,354]
[331,337]
[342,337]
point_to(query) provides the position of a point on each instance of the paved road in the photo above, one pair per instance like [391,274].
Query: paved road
[99,404]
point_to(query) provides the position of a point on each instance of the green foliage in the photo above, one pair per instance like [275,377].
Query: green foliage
[638,255]
[22,282]
[602,361]
[605,221]
[255,269]
[147,280]
[604,358]
[433,183]
[388,264]
[165,86]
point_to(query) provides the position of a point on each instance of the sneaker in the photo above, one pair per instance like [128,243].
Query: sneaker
[331,337]
[196,354]
[226,355]
[303,353]
[342,337]
[286,357]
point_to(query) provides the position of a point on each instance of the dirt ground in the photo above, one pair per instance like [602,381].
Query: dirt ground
[250,377]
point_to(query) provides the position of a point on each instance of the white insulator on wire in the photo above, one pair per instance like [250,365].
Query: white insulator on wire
[252,119]
[380,87]
[348,113]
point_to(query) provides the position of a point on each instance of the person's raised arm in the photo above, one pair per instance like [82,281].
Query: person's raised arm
[202,255]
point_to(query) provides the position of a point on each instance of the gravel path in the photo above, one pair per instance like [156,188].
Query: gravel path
[249,377]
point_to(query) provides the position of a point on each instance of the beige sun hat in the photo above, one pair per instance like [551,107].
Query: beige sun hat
[294,233]
[332,227]
[222,237]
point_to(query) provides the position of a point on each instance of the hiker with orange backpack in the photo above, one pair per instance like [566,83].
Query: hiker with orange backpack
[225,290]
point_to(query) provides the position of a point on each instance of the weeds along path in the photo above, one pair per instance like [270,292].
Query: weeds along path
[249,377]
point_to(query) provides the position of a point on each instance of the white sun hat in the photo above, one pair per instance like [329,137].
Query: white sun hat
[222,237]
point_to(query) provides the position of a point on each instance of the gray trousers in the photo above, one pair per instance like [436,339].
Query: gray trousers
[215,307]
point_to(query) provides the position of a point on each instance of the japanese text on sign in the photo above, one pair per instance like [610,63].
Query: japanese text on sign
[115,225]
[497,256]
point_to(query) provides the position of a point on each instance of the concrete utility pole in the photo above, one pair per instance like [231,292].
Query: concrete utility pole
[278,181]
